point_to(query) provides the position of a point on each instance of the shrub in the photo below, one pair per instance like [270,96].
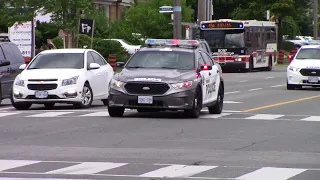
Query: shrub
[106,47]
[58,42]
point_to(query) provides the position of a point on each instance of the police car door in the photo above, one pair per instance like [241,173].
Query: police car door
[211,83]
[204,77]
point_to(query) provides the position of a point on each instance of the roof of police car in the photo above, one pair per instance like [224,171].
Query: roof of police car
[310,46]
[180,49]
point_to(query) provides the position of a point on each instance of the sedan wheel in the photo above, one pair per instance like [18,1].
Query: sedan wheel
[86,97]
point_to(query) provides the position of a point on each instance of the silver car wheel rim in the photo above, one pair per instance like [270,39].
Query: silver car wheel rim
[86,96]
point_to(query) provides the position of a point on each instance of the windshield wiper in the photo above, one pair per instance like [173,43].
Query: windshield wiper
[34,68]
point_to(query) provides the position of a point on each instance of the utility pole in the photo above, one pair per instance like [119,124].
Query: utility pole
[315,19]
[201,10]
[177,19]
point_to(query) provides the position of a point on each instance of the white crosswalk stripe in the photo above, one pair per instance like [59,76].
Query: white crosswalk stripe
[97,114]
[268,173]
[3,114]
[50,114]
[311,118]
[216,115]
[87,168]
[9,164]
[104,169]
[265,116]
[177,171]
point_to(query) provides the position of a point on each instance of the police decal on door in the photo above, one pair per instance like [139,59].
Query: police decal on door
[210,87]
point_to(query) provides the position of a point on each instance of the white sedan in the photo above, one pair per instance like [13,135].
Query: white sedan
[72,76]
[304,69]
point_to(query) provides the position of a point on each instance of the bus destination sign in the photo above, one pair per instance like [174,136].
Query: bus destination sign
[222,25]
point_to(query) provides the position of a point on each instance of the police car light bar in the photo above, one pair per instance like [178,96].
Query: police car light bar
[172,42]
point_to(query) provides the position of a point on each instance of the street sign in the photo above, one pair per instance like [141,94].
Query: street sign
[166,9]
[86,26]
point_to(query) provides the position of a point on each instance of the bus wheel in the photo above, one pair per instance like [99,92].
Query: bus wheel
[269,68]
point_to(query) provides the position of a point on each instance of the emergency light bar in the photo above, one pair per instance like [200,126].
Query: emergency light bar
[172,42]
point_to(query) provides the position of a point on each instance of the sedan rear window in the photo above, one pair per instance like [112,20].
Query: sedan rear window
[58,61]
[162,59]
[309,53]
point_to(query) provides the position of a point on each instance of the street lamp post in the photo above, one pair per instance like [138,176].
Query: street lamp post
[177,19]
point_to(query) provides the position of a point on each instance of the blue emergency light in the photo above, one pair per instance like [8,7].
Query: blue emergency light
[172,42]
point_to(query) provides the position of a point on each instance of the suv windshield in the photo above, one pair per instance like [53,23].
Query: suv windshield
[310,53]
[162,59]
[58,61]
[224,38]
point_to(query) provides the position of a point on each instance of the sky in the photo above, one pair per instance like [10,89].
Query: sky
[44,18]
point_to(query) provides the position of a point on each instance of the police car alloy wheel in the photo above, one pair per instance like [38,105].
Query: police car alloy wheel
[197,105]
[218,106]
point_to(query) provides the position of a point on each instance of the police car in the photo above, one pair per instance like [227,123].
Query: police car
[168,75]
[304,69]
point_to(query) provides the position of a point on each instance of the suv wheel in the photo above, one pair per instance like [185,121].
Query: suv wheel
[197,105]
[218,106]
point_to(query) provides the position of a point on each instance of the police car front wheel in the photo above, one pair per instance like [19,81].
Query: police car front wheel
[217,107]
[194,112]
[116,111]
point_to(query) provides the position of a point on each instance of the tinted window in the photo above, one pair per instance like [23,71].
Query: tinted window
[8,53]
[1,55]
[206,58]
[310,53]
[89,60]
[162,59]
[17,53]
[97,58]
[58,61]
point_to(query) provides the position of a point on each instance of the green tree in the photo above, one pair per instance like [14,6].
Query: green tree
[144,18]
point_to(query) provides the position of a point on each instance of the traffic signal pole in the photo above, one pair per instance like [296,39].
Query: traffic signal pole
[315,19]
[177,19]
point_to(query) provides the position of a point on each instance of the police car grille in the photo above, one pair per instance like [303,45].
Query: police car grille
[146,88]
[310,72]
[42,87]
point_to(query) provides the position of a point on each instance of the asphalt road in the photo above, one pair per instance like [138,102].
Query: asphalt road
[266,132]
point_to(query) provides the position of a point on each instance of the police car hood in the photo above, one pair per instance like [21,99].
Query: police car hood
[306,63]
[156,75]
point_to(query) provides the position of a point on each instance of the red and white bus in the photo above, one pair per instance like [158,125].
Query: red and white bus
[241,44]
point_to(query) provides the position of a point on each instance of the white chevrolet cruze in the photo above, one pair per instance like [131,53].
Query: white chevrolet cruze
[73,76]
[304,69]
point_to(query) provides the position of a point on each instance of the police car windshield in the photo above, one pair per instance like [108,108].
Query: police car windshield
[309,53]
[162,59]
[58,61]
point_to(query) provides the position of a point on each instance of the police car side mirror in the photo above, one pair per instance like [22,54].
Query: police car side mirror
[4,63]
[120,64]
[206,67]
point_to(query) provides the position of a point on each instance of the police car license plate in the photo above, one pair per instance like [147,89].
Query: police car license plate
[313,79]
[145,100]
[41,94]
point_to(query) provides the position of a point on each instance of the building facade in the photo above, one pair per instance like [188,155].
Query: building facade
[114,8]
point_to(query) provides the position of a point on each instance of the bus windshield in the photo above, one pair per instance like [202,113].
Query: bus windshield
[224,38]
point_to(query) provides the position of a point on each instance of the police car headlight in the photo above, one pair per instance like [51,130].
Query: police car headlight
[116,84]
[181,85]
[291,68]
[19,82]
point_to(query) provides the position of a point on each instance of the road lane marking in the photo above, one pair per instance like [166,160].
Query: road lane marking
[10,164]
[281,103]
[215,115]
[50,114]
[280,85]
[177,171]
[244,81]
[87,168]
[231,102]
[270,77]
[256,89]
[268,173]
[6,108]
[233,92]
[265,116]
